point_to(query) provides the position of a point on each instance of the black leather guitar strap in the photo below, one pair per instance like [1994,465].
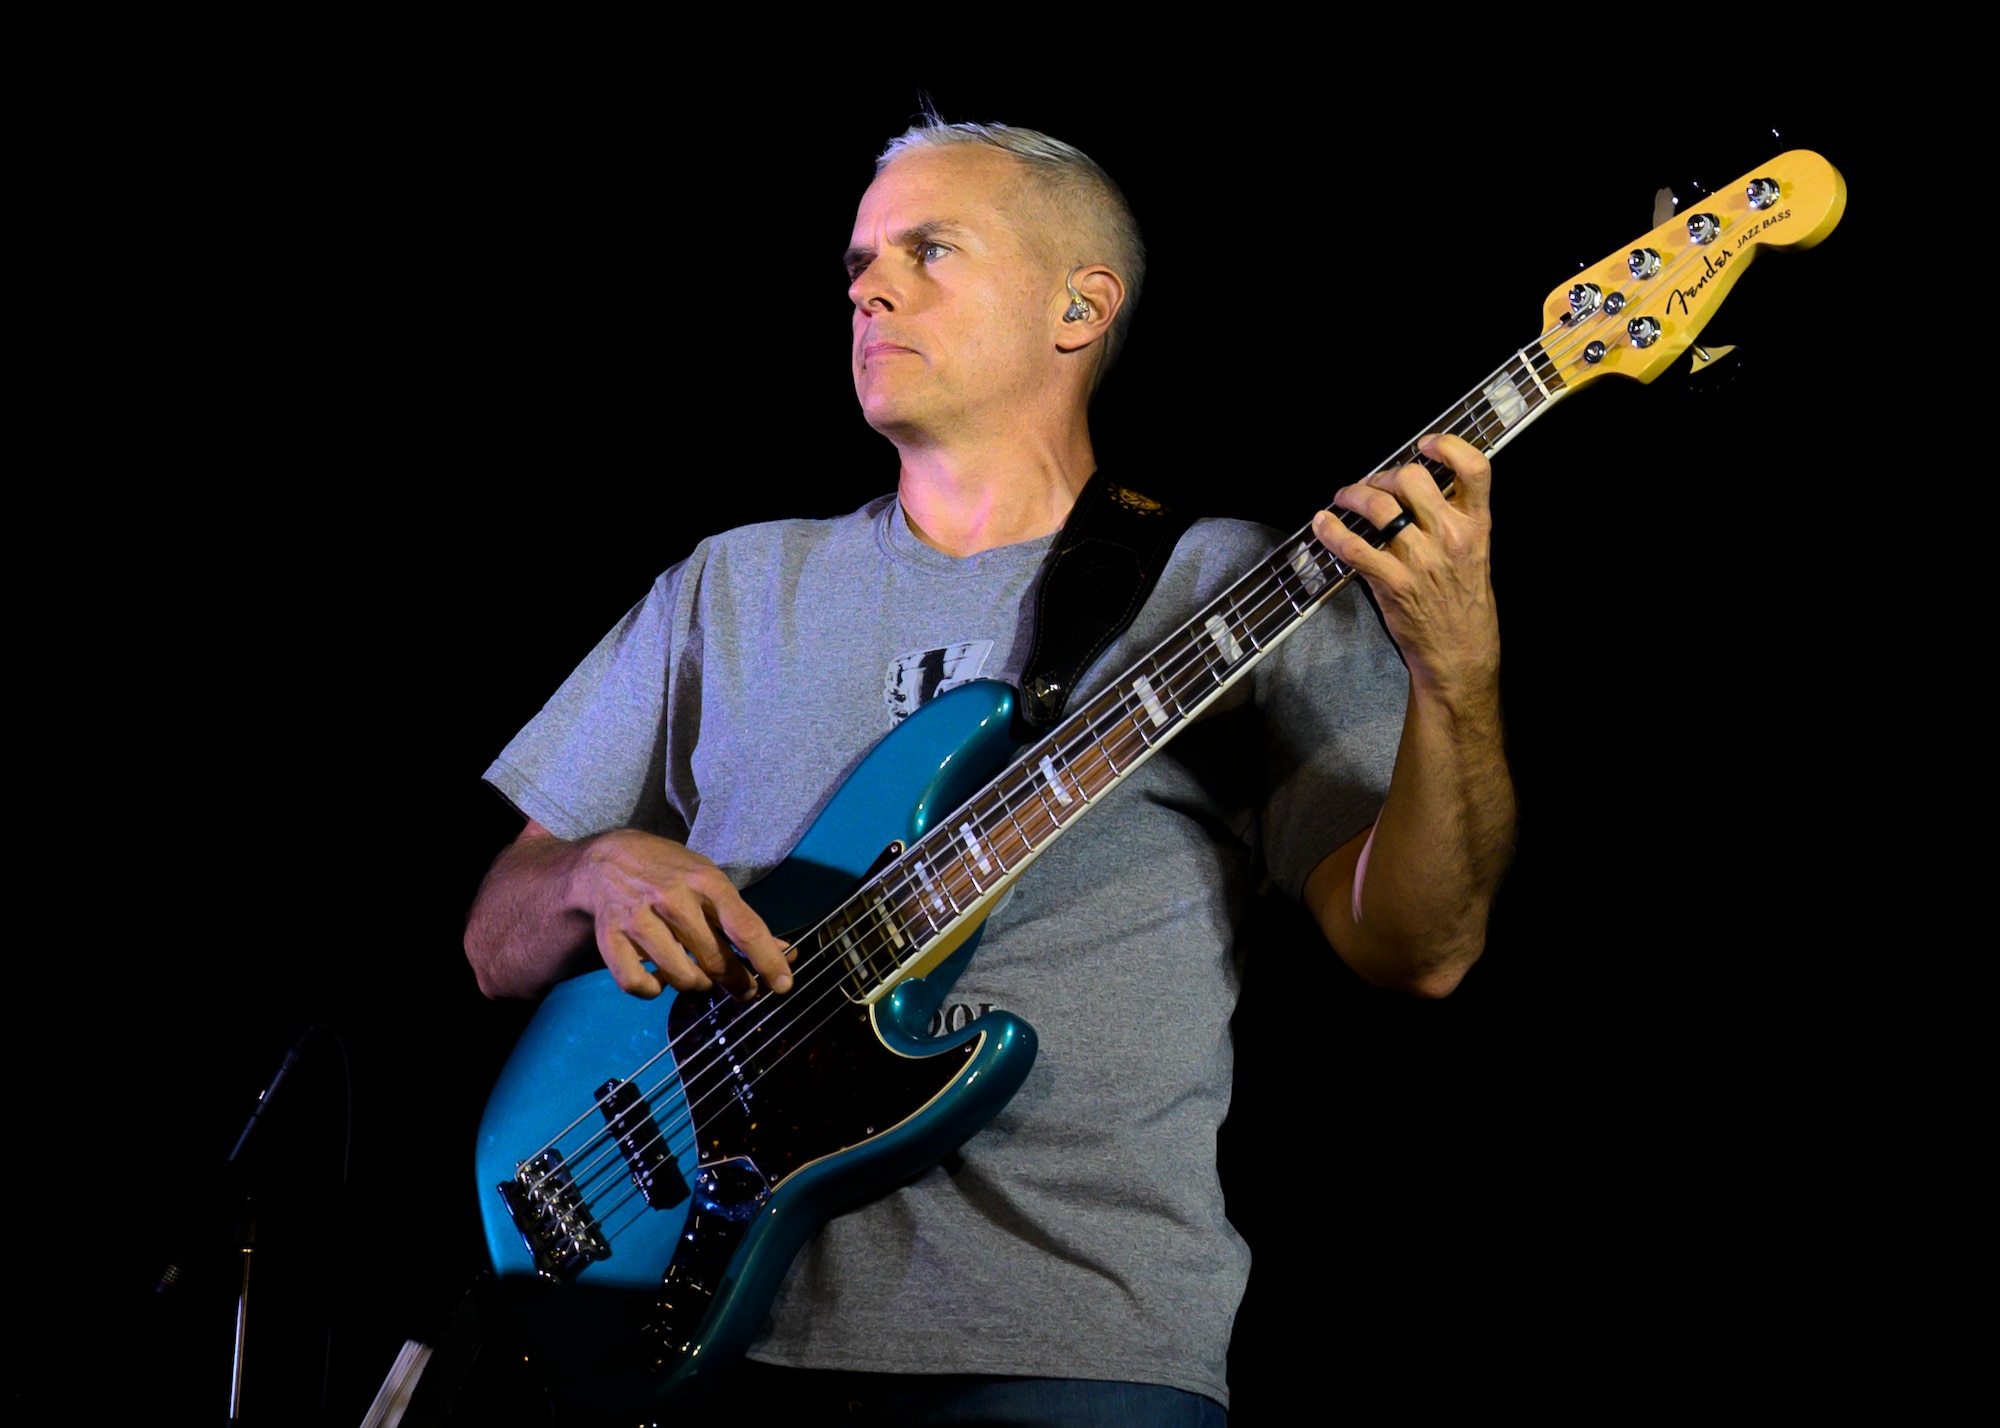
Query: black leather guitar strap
[1106,561]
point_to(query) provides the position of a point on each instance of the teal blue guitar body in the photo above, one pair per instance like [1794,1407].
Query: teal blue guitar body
[649,1169]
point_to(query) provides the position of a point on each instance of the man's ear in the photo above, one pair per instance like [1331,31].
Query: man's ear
[1103,293]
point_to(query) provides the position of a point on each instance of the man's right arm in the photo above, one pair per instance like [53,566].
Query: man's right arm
[631,897]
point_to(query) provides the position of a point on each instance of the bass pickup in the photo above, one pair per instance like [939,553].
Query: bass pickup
[642,1144]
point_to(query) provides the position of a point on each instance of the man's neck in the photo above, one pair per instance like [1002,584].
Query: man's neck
[965,500]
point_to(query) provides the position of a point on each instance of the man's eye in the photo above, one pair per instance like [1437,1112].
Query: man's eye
[931,252]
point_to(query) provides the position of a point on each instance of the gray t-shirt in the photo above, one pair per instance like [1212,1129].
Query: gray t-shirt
[1081,1234]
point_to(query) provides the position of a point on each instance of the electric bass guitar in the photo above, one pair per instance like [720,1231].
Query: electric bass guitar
[648,1169]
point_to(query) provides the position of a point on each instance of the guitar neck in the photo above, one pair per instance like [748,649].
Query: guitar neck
[946,882]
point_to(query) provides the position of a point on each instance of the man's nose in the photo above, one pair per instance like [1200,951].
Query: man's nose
[871,291]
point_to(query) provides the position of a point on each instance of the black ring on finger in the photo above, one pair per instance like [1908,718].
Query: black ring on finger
[1395,528]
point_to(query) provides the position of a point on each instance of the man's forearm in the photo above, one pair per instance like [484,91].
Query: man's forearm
[522,935]
[1407,906]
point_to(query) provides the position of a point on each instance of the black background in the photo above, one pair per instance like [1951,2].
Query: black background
[400,382]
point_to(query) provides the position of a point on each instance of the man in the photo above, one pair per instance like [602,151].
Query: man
[1073,1264]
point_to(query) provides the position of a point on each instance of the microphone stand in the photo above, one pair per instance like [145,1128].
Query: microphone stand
[246,1244]
[246,1228]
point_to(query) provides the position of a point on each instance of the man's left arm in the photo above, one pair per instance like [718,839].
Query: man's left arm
[1406,903]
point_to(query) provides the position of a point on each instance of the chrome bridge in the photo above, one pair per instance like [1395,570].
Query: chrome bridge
[555,1224]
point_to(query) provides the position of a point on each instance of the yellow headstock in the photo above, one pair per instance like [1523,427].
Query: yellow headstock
[1796,200]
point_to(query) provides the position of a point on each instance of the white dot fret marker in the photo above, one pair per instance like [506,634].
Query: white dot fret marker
[973,846]
[1308,568]
[1224,641]
[1506,402]
[1156,711]
[1535,377]
[889,921]
[930,886]
[1055,780]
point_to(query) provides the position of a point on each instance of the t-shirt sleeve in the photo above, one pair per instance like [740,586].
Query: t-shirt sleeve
[1333,698]
[594,759]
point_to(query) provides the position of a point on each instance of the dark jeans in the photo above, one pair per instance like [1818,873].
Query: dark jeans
[808,1397]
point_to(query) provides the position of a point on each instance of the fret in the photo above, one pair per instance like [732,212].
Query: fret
[1273,618]
[1045,790]
[1478,436]
[1007,807]
[1483,429]
[1104,716]
[861,972]
[879,907]
[1033,803]
[943,885]
[935,889]
[1076,767]
[981,853]
[969,863]
[1139,725]
[1076,773]
[1102,752]
[848,948]
[1528,369]
[1164,677]
[1246,628]
[1043,805]
[914,896]
[878,956]
[1169,695]
[1053,782]
[1305,564]
[1289,582]
[1547,377]
[911,910]
[1130,736]
[1196,672]
[882,962]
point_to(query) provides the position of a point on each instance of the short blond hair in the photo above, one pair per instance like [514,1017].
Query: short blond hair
[1095,222]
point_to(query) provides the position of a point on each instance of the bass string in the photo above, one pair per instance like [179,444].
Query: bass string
[1271,607]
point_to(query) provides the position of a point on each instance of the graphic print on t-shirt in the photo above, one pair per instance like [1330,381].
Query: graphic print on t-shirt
[957,1016]
[916,678]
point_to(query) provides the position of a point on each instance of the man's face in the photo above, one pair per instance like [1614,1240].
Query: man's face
[952,305]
